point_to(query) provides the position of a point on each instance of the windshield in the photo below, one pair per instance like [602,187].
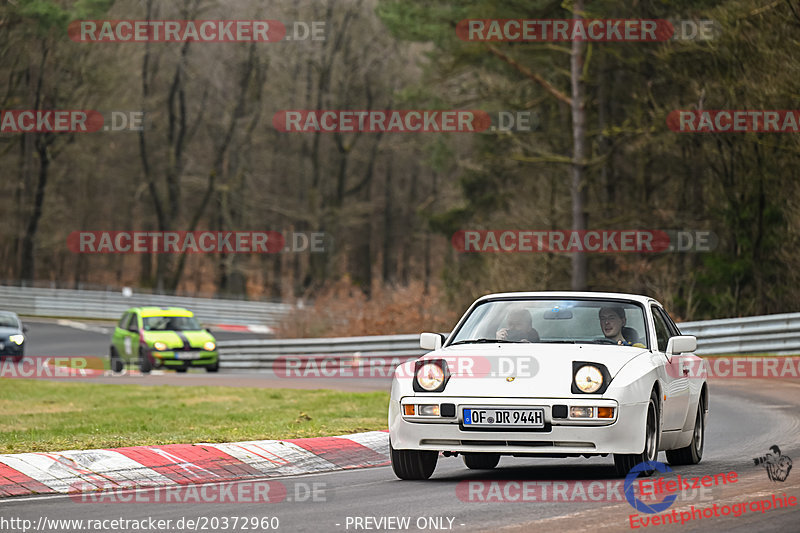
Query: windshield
[170,323]
[8,321]
[576,321]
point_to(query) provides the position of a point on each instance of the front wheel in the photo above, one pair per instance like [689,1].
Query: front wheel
[693,453]
[481,461]
[115,362]
[145,365]
[624,462]
[413,464]
[213,368]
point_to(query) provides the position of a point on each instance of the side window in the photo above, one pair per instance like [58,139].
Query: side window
[133,325]
[662,334]
[123,322]
[671,327]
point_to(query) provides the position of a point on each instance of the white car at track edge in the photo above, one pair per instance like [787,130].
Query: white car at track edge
[551,374]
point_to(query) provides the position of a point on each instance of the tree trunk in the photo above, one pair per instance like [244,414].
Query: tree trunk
[578,187]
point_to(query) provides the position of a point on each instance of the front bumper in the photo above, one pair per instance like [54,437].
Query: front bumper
[8,347]
[623,434]
[177,358]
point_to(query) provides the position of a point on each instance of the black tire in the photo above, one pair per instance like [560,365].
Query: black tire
[481,461]
[213,368]
[18,358]
[145,365]
[114,362]
[625,462]
[181,369]
[693,453]
[413,464]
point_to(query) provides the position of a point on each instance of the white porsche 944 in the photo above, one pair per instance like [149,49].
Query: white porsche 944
[551,374]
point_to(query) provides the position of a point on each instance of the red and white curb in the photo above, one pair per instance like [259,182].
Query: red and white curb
[183,464]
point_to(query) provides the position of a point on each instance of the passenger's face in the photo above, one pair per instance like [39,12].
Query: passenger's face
[611,323]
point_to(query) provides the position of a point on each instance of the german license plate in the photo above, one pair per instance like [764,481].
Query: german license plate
[500,417]
[187,355]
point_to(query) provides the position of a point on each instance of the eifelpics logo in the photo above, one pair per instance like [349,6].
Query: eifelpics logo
[775,463]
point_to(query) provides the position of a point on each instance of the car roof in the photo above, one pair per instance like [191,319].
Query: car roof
[149,311]
[8,313]
[570,294]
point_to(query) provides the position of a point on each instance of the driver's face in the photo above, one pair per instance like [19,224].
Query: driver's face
[517,324]
[611,323]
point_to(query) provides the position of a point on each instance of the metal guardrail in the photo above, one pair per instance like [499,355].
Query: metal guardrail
[111,304]
[778,334]
[376,355]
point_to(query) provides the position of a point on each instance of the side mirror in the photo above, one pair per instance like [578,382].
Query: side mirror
[208,330]
[430,341]
[24,328]
[680,344]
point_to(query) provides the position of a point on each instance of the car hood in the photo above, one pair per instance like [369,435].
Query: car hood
[540,369]
[6,331]
[174,339]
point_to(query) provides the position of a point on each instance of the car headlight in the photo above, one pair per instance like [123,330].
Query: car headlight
[17,339]
[588,379]
[430,376]
[160,346]
[209,346]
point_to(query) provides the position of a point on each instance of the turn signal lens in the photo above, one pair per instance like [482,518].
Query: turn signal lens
[408,409]
[428,410]
[605,412]
[581,412]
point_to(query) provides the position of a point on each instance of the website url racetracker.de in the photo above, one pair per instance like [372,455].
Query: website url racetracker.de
[200,523]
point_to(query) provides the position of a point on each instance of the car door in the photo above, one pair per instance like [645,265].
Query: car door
[676,385]
[130,340]
[120,330]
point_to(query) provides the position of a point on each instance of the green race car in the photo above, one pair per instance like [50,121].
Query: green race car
[157,337]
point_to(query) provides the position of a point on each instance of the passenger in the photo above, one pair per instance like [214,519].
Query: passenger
[520,327]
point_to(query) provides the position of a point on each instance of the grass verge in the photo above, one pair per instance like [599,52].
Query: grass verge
[51,416]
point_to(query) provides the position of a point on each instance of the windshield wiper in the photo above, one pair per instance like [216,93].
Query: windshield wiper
[482,341]
[559,342]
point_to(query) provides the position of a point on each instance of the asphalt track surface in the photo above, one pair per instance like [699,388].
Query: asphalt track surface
[746,417]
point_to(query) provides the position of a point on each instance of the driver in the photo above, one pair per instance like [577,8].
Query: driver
[612,322]
[520,327]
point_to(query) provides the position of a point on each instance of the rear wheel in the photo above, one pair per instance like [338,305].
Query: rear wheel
[145,365]
[115,363]
[481,461]
[413,464]
[693,453]
[625,462]
[181,369]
